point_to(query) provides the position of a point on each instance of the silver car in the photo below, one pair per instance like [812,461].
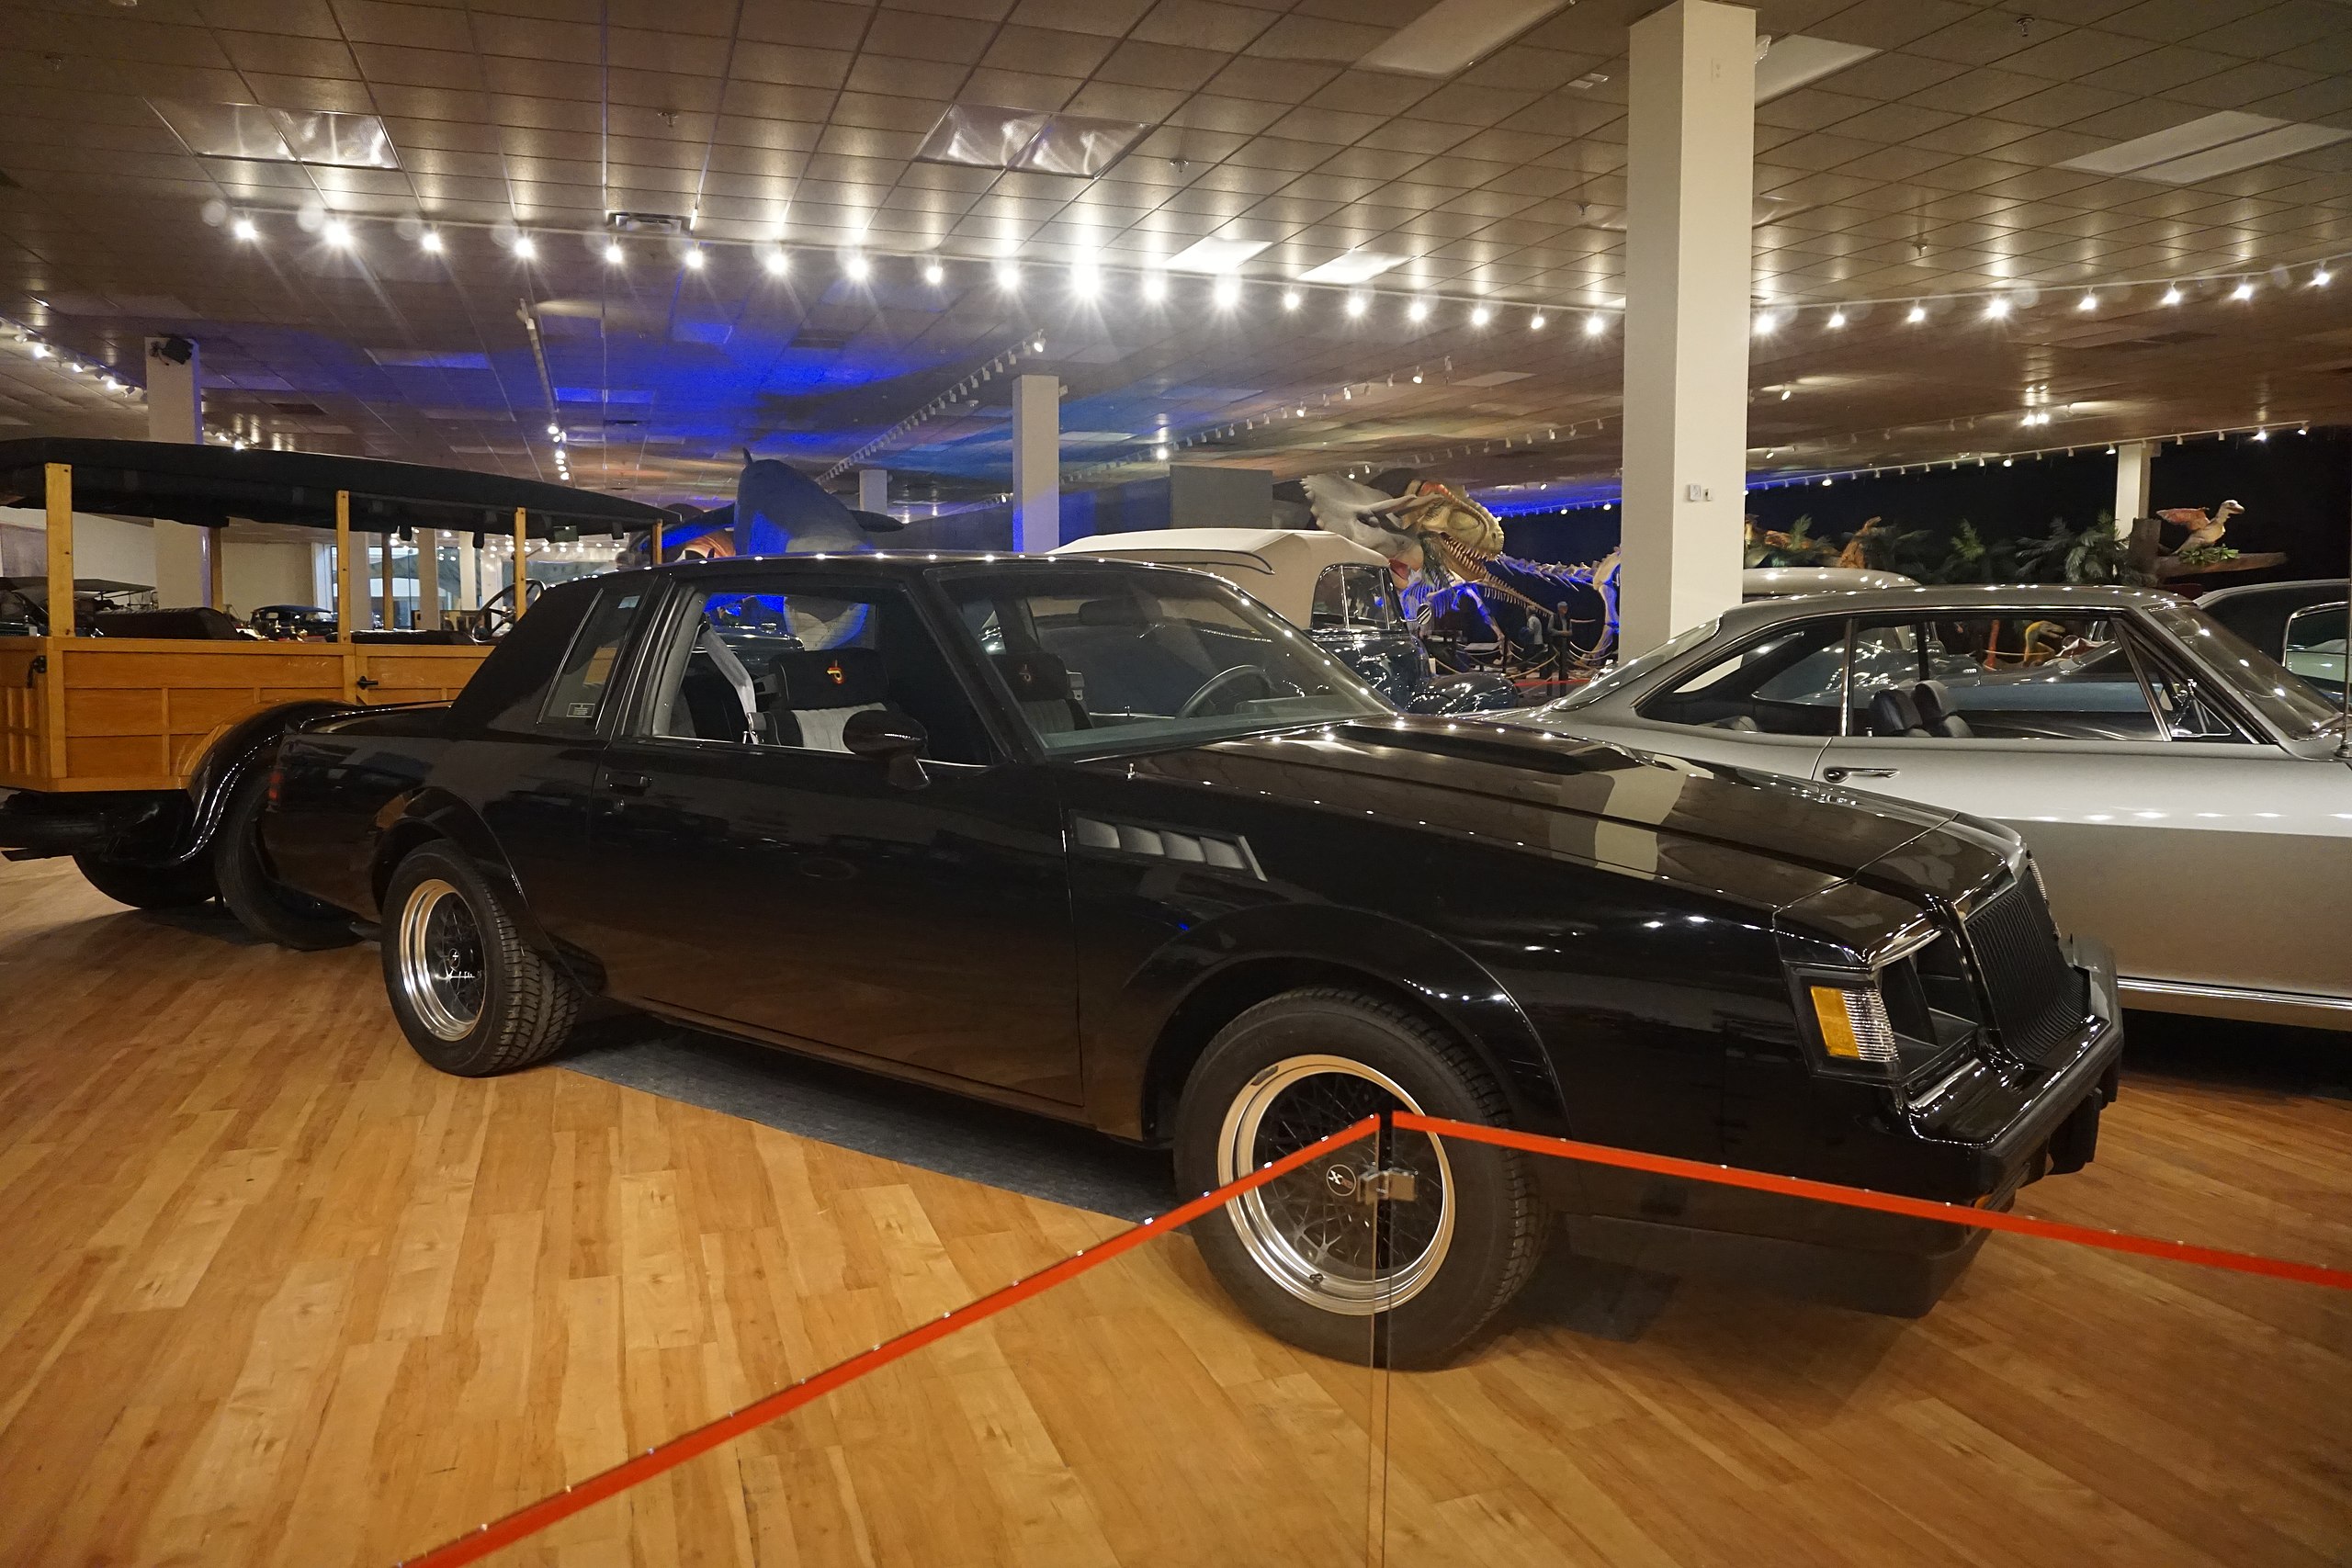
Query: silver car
[2188,800]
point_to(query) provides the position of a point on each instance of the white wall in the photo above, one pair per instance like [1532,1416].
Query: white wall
[252,575]
[103,547]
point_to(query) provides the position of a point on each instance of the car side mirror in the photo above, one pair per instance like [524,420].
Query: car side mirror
[891,739]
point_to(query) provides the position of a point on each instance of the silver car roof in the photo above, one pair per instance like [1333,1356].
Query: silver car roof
[1945,598]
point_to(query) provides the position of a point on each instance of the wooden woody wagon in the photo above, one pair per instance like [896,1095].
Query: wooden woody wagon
[132,753]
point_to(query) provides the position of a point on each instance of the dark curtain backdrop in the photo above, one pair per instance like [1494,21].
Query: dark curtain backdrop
[2297,491]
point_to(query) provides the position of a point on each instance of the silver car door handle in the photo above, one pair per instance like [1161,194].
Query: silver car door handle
[1839,775]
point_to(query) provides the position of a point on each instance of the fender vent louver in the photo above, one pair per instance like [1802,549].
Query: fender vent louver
[1210,850]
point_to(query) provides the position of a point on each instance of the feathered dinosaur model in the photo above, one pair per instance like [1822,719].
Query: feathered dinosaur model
[2205,530]
[1446,551]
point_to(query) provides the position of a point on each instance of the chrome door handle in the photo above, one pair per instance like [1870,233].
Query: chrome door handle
[627,784]
[1839,775]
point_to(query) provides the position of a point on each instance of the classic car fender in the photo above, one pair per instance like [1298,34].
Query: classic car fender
[432,812]
[1168,1009]
[229,754]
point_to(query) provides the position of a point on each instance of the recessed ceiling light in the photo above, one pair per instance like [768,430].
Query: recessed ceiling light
[431,241]
[1155,288]
[934,273]
[1418,311]
[244,229]
[1007,274]
[1919,313]
[854,267]
[1354,266]
[1215,255]
[1481,316]
[523,248]
[337,232]
[778,261]
[694,259]
[614,253]
[1291,296]
[1793,61]
[1837,318]
[1227,291]
[1535,322]
[2172,295]
[1453,35]
[1357,304]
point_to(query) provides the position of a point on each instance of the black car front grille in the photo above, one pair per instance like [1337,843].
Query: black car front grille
[2039,1000]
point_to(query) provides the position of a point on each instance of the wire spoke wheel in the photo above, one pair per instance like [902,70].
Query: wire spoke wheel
[1318,1231]
[441,960]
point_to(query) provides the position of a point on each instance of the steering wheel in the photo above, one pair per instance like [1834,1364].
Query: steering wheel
[1198,703]
[498,610]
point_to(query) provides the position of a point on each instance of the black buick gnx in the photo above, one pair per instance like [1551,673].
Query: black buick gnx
[1114,844]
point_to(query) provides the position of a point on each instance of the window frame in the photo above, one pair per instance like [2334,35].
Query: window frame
[686,592]
[1739,649]
[617,691]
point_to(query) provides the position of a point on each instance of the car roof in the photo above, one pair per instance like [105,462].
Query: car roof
[1946,598]
[2316,588]
[904,563]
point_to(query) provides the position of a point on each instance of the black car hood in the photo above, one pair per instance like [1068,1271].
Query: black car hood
[1478,777]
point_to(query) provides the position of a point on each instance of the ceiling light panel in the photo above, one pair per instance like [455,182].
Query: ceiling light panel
[984,137]
[1216,255]
[282,136]
[1453,35]
[1795,60]
[1355,267]
[2205,147]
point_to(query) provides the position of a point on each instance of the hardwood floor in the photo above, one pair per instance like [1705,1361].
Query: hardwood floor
[273,1293]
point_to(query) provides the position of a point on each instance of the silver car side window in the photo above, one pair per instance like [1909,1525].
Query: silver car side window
[2022,675]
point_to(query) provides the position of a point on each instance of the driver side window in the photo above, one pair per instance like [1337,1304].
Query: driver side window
[778,666]
[1791,683]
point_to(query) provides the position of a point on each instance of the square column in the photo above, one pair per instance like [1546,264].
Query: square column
[2135,462]
[428,579]
[874,489]
[1036,463]
[1689,190]
[186,572]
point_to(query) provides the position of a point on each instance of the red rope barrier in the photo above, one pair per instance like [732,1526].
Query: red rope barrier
[653,1462]
[668,1456]
[1885,1202]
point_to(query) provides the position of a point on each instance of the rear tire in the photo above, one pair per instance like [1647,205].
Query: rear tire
[262,904]
[473,996]
[147,886]
[1299,1254]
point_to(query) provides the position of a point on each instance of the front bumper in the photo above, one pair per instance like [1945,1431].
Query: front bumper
[2047,1123]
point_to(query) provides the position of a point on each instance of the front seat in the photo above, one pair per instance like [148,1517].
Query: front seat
[1933,699]
[1893,713]
[821,688]
[1040,682]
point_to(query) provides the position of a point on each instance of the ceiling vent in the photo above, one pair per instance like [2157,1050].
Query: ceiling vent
[279,136]
[2205,148]
[670,223]
[986,138]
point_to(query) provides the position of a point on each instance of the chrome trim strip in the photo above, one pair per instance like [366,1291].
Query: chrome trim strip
[2231,993]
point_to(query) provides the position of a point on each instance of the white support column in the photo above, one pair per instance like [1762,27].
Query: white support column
[469,574]
[176,413]
[1690,189]
[2135,461]
[874,489]
[1036,463]
[428,579]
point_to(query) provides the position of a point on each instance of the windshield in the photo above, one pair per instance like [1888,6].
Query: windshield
[2283,698]
[1101,660]
[1632,668]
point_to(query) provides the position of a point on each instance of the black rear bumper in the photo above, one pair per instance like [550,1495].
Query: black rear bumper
[35,824]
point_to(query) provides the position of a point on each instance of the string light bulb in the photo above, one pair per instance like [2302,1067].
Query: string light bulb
[244,230]
[1480,316]
[1535,322]
[778,261]
[1919,313]
[613,253]
[2172,295]
[1836,318]
[1418,311]
[934,273]
[1290,300]
[693,258]
[856,267]
[1357,305]
[524,249]
[1995,309]
[1595,324]
[430,241]
[1155,288]
[2245,290]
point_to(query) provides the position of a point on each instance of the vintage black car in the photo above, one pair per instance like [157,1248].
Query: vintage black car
[1116,844]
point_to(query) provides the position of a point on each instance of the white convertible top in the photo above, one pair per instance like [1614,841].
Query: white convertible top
[1276,565]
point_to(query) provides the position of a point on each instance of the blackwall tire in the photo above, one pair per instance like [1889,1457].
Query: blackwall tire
[473,997]
[263,906]
[147,887]
[1295,1253]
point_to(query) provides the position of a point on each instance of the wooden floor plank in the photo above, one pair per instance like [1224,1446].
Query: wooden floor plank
[276,1293]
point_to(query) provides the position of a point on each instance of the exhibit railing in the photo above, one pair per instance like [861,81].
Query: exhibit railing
[2078,1395]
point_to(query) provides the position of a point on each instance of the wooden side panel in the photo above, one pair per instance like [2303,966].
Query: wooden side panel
[138,710]
[24,716]
[420,674]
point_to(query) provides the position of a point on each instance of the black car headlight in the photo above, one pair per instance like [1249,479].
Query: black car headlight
[1878,1023]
